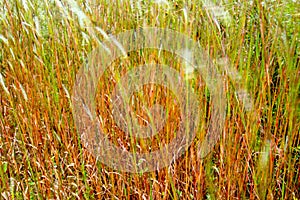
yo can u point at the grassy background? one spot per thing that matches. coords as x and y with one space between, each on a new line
44 43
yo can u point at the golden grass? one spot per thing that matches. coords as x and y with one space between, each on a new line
44 43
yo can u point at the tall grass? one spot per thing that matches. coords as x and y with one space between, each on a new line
44 43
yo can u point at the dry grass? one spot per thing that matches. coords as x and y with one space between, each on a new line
44 43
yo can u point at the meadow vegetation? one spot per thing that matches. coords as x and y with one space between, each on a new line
43 43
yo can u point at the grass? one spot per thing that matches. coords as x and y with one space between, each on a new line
44 43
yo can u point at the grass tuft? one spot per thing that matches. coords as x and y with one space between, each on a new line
253 44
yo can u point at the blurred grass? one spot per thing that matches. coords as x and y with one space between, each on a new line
44 43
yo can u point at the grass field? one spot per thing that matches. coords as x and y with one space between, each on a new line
44 43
